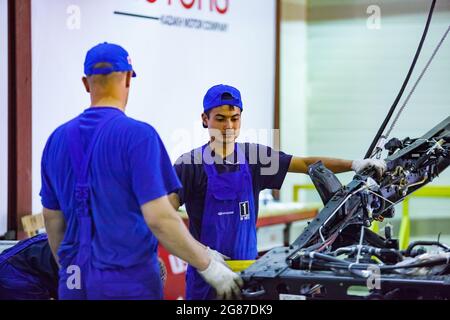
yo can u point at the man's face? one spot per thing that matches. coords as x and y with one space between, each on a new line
224 123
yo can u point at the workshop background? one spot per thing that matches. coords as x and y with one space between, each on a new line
324 72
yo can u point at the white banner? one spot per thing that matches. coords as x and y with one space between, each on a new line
179 49
3 115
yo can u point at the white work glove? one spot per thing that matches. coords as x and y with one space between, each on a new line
226 282
216 255
361 165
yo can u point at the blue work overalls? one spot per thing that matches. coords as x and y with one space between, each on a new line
228 223
16 284
139 282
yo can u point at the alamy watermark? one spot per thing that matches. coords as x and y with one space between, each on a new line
73 282
374 278
73 21
374 19
255 153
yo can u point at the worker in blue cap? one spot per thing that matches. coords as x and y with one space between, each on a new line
222 181
105 184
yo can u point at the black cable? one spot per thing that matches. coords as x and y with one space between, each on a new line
405 83
363 266
424 243
432 263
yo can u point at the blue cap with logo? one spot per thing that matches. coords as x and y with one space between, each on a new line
115 56
221 95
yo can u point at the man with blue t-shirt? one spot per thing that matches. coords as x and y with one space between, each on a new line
105 184
222 181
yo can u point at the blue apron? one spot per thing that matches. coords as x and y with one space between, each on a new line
138 282
17 285
228 223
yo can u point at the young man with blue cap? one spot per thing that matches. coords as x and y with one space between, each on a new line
105 181
222 181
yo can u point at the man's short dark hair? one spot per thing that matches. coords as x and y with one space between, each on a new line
103 65
102 79
225 96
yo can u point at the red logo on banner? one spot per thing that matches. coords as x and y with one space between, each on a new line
219 6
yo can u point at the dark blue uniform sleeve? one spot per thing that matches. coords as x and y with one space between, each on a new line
48 195
273 167
152 173
185 171
180 173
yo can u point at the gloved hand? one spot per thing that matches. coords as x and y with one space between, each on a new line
226 282
216 255
361 165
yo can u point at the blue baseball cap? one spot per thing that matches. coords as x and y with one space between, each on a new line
113 54
221 95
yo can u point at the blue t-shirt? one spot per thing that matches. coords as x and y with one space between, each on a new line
129 167
267 166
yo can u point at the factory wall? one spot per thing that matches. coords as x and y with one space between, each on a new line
293 82
176 60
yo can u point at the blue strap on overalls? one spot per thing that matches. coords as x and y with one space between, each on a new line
80 164
226 227
21 246
138 282
237 239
